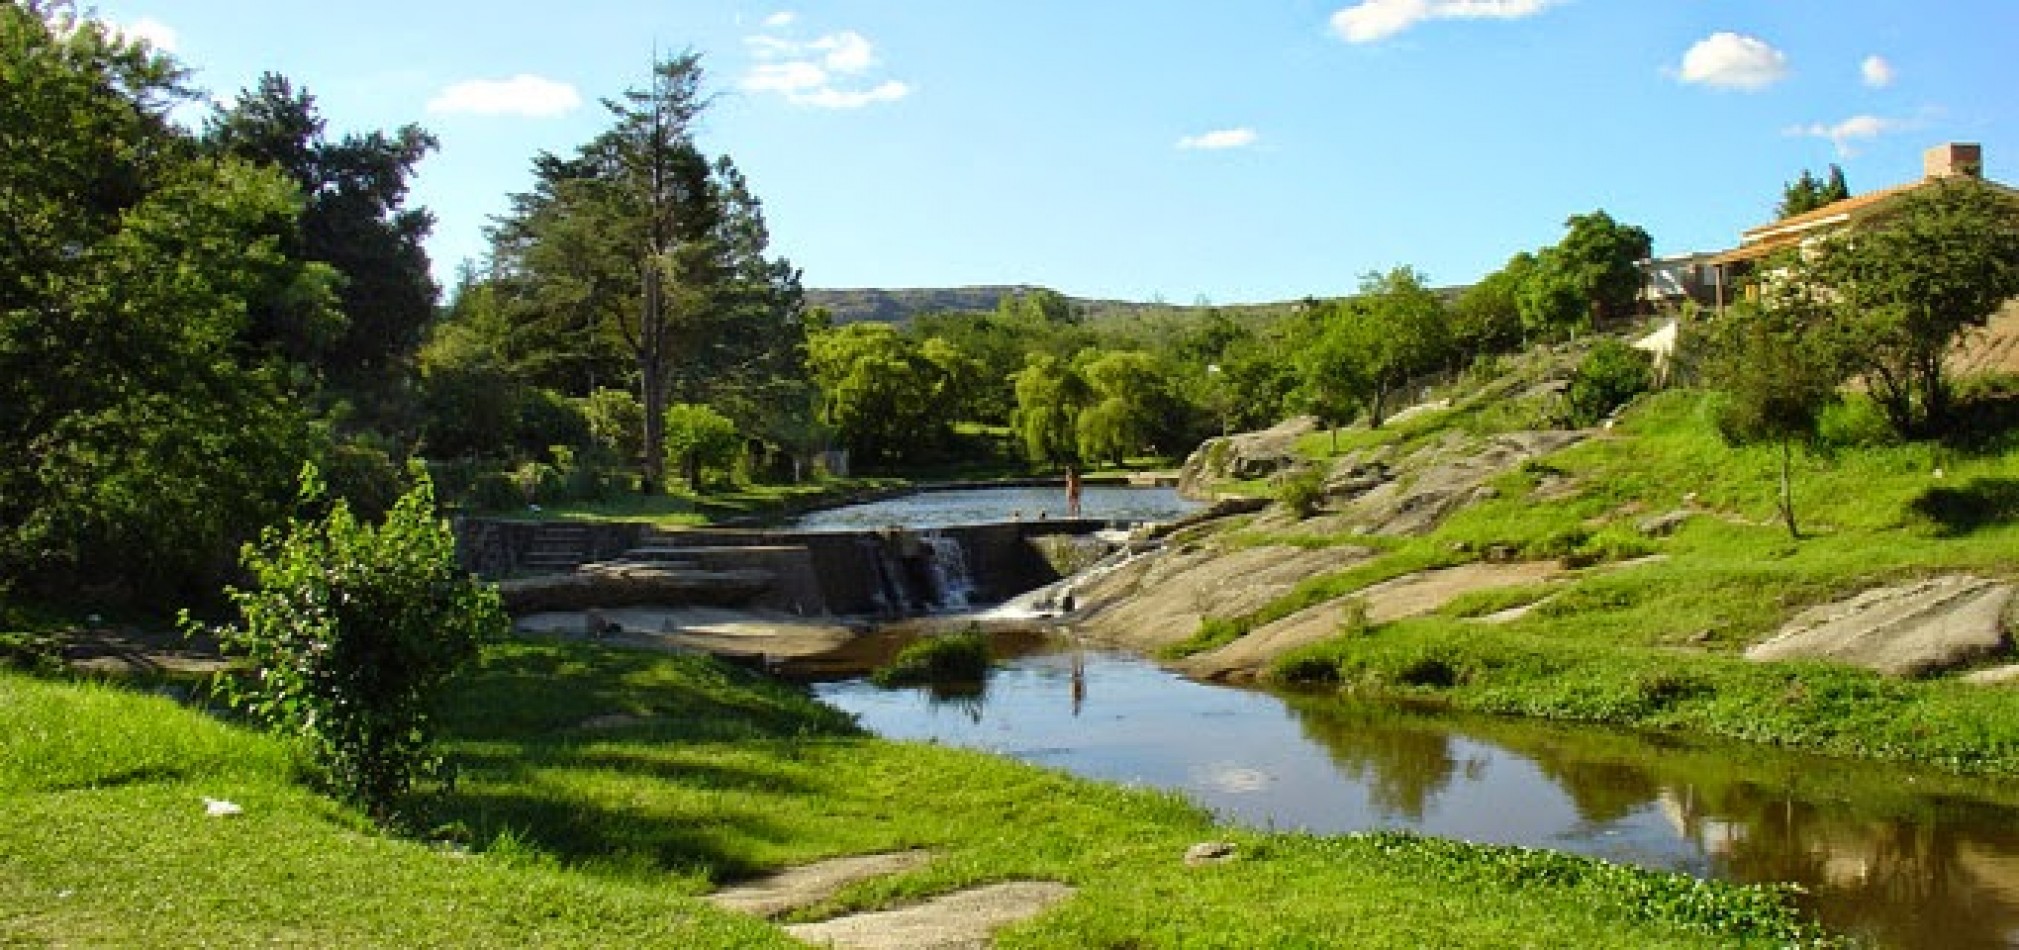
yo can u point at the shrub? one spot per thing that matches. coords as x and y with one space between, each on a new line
617 422
352 631
363 475
546 418
496 491
1303 491
699 440
955 658
1609 376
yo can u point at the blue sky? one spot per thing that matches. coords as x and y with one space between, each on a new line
1144 150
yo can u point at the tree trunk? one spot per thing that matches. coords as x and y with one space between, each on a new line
1374 410
651 356
1788 487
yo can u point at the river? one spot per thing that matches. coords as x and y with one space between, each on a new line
1900 857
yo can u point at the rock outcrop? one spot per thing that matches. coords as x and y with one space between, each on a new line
1244 456
1914 630
1159 599
632 584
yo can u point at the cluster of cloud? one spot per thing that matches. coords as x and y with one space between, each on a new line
1877 71
527 95
1848 134
827 72
1372 20
1733 61
1219 140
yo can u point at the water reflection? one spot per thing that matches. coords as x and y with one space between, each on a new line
1898 856
939 509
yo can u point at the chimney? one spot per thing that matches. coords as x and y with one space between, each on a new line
1954 160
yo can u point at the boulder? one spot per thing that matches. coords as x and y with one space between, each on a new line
1913 630
1242 457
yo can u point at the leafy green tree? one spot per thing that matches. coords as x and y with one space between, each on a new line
136 446
1051 394
1908 285
1807 193
878 391
1779 368
699 440
616 421
354 219
1336 380
1401 330
1130 405
1486 318
1592 274
354 629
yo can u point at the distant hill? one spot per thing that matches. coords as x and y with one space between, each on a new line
899 306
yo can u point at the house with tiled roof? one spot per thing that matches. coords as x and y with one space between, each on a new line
1727 271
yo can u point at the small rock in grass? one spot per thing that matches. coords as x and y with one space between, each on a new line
1209 852
219 808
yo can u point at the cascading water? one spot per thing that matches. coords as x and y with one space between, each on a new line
953 586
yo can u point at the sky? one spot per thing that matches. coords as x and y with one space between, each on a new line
1222 152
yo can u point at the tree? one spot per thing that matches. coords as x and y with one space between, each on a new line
641 238
1051 394
1936 265
1610 374
878 391
699 439
354 629
1807 193
1401 329
1592 274
353 219
1336 379
138 441
1486 318
1779 368
1129 405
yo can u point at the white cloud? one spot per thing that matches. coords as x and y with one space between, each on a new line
828 97
804 71
780 20
1219 140
157 34
1734 61
1846 135
1372 20
523 95
1877 71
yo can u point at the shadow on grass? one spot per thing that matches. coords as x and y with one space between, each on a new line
1980 504
591 756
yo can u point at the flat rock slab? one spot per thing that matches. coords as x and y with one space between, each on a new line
963 919
1160 598
1996 676
631 584
1411 595
1914 630
813 883
748 632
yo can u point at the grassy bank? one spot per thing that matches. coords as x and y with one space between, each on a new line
602 791
1650 636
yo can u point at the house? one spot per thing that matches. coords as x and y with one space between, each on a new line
1669 281
1729 269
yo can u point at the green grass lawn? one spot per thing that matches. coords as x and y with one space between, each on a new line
679 508
575 828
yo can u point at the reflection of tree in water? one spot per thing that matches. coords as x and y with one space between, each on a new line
1402 768
1601 791
968 699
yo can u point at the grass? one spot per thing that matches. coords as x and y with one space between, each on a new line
602 790
949 658
679 508
1653 644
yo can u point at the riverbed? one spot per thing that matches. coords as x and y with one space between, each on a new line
1903 857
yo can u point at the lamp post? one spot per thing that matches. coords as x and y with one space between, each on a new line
1219 395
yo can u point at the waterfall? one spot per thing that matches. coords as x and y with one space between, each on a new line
953 586
888 591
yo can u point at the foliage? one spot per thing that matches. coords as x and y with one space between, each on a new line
1303 490
1050 395
1937 264
955 658
136 441
353 630
1373 344
1486 318
1807 193
1592 274
616 422
699 440
1130 408
1611 374
1780 371
881 393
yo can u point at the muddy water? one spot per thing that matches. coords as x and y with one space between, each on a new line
1899 857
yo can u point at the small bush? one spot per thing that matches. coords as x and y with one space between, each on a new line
1610 375
1303 491
496 491
352 631
960 658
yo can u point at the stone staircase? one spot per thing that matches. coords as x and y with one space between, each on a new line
557 548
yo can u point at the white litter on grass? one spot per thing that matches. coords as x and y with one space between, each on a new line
219 808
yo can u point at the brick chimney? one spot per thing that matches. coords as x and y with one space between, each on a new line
1954 160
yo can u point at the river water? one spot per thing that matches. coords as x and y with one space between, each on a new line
1897 856
939 509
